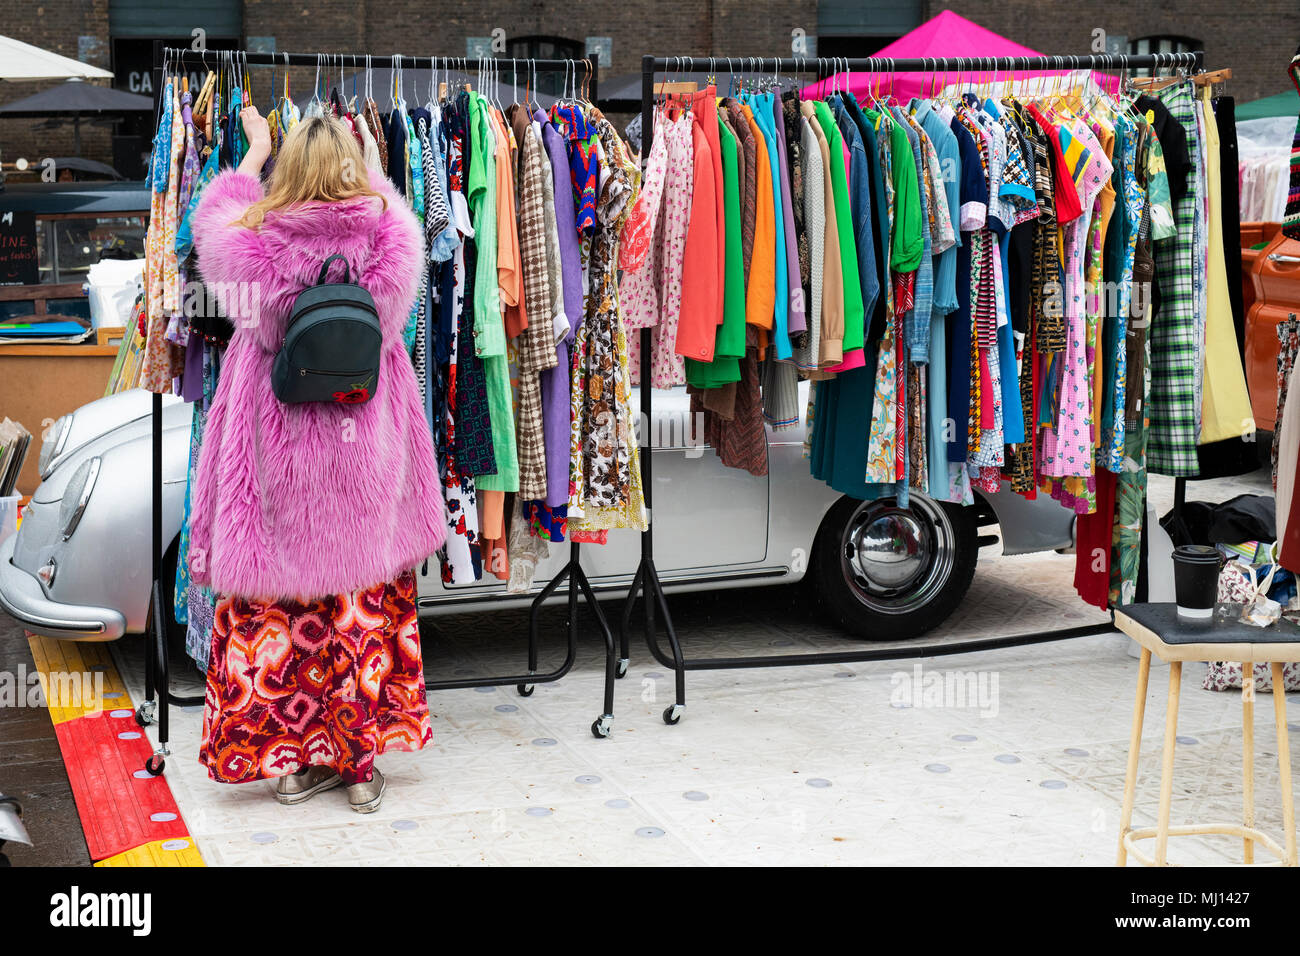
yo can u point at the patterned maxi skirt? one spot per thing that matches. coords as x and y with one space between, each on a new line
333 681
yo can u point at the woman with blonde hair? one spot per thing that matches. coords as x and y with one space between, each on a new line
308 519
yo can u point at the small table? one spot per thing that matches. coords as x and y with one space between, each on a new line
1160 631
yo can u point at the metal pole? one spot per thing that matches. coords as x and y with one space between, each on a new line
1192 60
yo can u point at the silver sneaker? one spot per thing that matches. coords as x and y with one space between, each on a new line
366 797
300 787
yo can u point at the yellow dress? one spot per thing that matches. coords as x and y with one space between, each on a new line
1225 403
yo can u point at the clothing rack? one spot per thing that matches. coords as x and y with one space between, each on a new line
157 655
646 583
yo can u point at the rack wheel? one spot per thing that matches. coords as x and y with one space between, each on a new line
144 714
155 764
672 714
601 726
525 690
621 670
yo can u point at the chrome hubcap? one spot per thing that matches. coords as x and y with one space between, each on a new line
897 559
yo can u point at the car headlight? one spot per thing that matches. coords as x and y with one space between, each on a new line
52 445
77 495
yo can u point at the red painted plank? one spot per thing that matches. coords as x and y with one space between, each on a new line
119 811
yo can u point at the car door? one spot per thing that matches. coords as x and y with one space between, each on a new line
706 515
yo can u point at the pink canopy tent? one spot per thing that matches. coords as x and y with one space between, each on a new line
948 34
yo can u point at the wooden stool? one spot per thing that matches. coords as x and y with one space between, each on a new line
1159 630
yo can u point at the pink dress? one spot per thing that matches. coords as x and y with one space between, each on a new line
1068 449
657 303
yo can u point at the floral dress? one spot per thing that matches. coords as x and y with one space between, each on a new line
1068 449
163 359
654 291
1112 453
881 442
606 492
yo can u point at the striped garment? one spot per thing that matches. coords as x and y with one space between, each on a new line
1173 412
1020 466
537 341
1291 220
780 388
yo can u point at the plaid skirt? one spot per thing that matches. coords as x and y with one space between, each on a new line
333 681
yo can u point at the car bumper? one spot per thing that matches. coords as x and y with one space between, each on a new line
22 597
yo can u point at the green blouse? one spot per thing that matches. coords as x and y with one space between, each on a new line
489 326
729 346
853 314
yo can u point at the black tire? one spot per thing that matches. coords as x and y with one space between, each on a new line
915 588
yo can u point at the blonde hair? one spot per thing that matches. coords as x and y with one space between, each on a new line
319 161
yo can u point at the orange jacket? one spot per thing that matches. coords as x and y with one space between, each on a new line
697 326
760 299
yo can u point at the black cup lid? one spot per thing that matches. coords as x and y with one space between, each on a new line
1196 554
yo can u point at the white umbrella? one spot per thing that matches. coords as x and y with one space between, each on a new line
22 61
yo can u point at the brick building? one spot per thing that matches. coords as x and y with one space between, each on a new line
119 35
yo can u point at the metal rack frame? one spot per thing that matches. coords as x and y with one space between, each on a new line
646 583
157 655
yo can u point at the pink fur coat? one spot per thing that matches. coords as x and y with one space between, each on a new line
303 501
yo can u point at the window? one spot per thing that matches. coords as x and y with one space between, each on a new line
544 48
1162 44
68 247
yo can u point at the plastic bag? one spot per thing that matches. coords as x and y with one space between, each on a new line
1240 587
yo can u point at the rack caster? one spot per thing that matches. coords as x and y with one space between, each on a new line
525 690
673 714
621 670
602 725
144 714
155 764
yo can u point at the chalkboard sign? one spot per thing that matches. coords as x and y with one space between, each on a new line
18 262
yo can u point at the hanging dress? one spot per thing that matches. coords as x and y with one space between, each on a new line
609 494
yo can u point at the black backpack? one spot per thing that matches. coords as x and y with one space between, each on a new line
331 347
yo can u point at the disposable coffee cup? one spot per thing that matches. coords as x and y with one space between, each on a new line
1196 581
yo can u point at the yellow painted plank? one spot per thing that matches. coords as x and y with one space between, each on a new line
73 674
180 851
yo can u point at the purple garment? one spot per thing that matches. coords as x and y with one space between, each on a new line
797 320
192 376
556 411
193 162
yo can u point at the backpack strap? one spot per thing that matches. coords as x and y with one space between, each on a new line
325 268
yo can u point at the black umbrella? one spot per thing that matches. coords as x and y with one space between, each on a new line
89 166
75 99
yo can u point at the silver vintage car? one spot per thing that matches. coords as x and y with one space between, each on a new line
79 566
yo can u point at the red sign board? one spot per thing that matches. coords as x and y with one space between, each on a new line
18 260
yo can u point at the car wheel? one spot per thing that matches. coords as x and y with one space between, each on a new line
888 573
